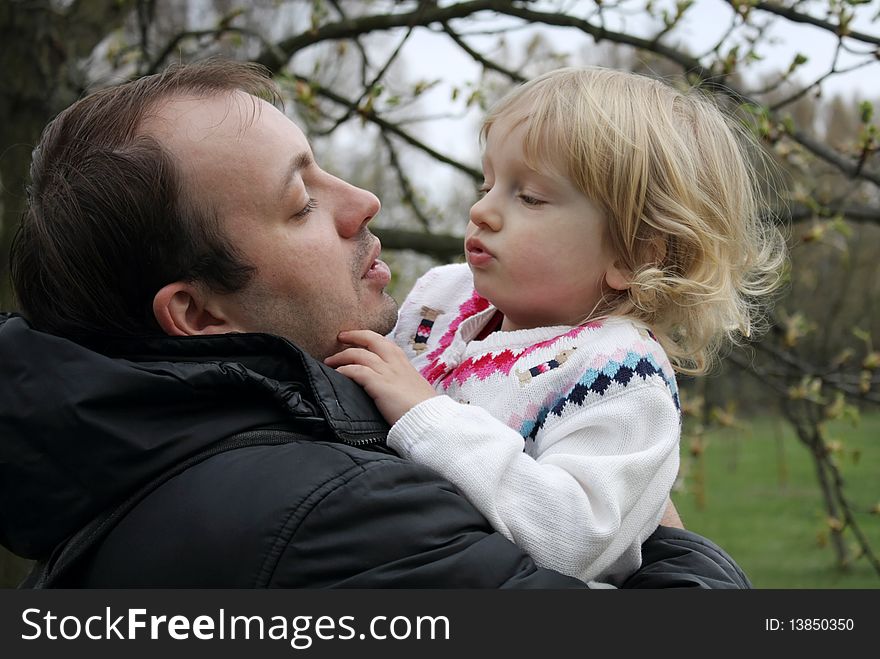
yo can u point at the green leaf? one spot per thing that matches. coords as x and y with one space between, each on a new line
866 111
799 60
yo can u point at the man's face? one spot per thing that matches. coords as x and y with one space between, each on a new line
304 230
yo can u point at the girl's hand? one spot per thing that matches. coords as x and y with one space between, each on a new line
383 370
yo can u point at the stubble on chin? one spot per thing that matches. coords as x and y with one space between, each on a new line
388 319
313 324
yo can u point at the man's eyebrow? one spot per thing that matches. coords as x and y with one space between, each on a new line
298 162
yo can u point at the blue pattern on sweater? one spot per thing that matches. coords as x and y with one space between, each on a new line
597 382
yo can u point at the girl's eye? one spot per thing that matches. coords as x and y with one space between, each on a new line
483 190
531 201
311 204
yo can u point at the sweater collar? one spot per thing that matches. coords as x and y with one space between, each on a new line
514 340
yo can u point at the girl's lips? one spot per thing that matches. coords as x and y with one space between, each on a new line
477 255
478 258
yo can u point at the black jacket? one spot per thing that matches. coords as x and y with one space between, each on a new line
313 498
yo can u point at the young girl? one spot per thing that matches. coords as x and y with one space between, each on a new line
617 240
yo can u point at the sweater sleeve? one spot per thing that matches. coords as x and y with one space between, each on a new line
593 493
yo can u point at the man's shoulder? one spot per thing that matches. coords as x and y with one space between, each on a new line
223 520
286 481
301 463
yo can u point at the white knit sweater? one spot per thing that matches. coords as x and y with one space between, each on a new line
565 438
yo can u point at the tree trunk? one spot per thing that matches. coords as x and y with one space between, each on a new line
41 49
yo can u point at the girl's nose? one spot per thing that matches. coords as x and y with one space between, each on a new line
485 213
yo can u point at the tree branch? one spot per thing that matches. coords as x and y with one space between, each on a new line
851 168
198 34
862 214
390 127
686 62
87 22
441 246
408 195
276 56
802 368
798 17
477 57
711 81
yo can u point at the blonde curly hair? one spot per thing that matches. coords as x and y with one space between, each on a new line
679 183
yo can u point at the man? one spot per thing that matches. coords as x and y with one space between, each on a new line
184 266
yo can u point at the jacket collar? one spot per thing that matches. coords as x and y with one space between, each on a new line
82 425
343 404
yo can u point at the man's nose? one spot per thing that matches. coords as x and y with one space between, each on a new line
355 208
485 213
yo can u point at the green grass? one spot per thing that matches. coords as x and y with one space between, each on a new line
763 504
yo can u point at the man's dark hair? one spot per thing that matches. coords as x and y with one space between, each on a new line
109 221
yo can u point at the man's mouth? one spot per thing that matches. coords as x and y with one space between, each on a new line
377 270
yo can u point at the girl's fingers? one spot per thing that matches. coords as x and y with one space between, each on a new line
370 340
359 337
363 375
359 356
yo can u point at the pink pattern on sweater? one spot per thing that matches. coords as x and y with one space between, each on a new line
471 307
484 366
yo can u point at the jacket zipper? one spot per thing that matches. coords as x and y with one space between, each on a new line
360 441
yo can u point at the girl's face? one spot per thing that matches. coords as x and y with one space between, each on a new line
535 244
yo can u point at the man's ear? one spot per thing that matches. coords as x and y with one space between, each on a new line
185 309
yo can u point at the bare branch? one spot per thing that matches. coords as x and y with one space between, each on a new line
832 71
276 58
420 119
764 377
390 127
86 22
180 37
365 60
721 41
851 168
408 196
477 57
802 368
860 214
798 17
686 62
146 13
442 247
